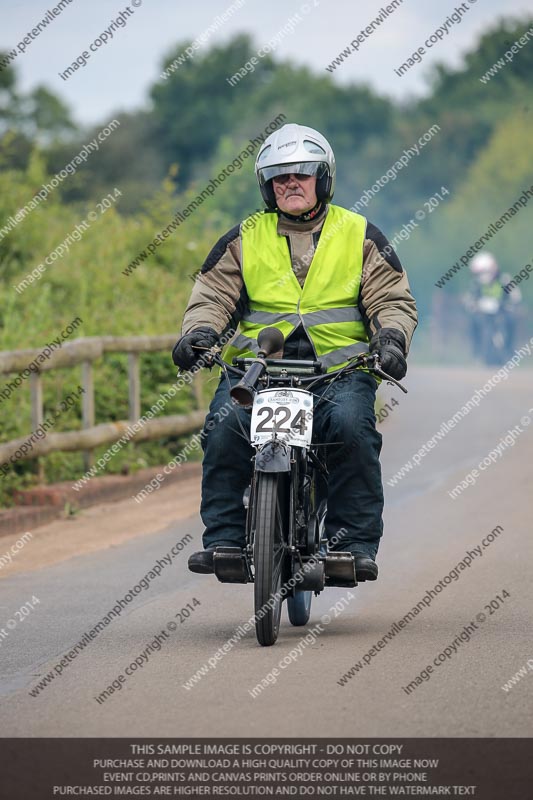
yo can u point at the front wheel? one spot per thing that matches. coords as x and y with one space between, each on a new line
269 553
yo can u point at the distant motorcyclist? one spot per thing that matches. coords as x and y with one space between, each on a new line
492 309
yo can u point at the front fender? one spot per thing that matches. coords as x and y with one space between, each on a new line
273 456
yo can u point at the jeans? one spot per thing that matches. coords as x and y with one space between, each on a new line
355 490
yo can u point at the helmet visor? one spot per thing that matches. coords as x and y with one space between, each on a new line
317 168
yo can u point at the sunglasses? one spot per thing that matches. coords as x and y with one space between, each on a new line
300 177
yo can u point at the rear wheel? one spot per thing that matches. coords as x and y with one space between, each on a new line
493 340
299 607
269 553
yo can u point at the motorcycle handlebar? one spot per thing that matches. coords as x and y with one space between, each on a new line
244 391
270 340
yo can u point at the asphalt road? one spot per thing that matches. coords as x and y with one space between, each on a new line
427 534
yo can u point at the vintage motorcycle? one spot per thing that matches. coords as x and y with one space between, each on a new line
491 325
286 554
493 331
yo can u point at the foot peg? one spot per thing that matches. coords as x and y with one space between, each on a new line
230 565
340 570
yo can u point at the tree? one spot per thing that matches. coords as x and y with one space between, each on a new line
45 117
196 106
39 118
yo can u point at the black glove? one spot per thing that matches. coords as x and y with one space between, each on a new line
184 355
389 344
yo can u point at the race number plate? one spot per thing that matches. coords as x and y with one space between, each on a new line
284 414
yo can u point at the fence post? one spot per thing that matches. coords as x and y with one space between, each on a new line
36 392
134 387
87 408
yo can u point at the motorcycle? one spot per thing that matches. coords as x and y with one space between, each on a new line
490 329
287 555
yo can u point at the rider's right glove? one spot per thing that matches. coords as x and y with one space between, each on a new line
390 344
183 354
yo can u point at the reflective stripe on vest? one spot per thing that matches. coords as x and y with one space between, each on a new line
326 305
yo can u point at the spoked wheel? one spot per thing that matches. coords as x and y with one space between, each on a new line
299 607
269 554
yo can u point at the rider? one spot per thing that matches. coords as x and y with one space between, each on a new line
489 281
335 287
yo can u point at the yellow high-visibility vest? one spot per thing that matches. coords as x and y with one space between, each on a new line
326 305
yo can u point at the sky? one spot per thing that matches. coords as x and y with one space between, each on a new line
118 75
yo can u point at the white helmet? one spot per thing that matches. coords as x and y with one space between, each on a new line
298 149
484 266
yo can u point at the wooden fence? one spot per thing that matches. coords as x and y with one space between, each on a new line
84 352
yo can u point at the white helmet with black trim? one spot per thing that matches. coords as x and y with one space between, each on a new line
297 149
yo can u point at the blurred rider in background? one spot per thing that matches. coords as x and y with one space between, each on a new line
492 309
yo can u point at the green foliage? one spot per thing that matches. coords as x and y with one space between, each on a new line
162 157
46 117
195 106
493 184
88 282
462 88
39 116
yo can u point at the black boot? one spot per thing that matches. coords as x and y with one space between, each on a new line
202 562
366 568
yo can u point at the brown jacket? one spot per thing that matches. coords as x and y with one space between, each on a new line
219 298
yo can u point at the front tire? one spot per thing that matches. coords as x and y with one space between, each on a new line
269 554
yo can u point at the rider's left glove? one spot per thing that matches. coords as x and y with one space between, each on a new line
390 345
184 355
